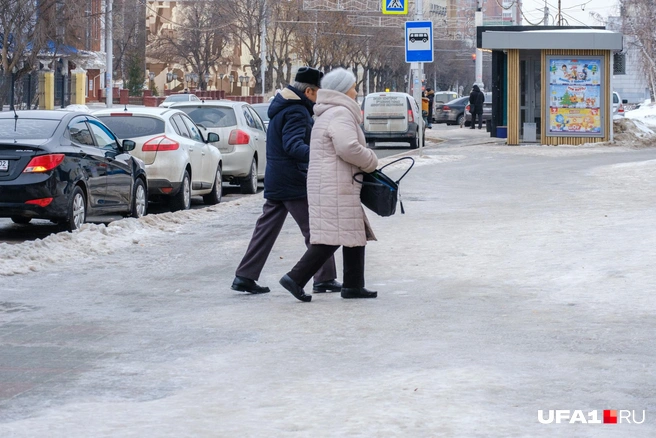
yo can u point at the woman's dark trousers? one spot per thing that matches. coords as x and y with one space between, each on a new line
316 256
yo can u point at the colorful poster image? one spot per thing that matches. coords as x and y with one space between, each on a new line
574 97
575 71
574 121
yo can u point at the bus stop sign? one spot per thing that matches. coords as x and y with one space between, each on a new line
418 41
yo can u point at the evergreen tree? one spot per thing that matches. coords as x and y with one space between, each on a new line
136 75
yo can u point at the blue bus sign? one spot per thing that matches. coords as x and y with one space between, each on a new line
418 41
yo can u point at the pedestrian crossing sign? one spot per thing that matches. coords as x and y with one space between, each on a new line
395 7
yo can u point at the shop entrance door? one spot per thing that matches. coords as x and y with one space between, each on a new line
530 89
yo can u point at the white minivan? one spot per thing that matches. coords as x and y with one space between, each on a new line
392 117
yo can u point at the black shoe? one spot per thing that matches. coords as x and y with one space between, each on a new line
327 286
358 292
295 289
243 284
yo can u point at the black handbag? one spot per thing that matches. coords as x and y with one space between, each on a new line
379 192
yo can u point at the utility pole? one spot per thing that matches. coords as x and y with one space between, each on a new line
560 17
109 48
418 73
263 64
479 53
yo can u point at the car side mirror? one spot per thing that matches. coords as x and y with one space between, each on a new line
129 145
625 101
212 137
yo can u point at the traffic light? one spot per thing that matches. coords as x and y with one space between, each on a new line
474 57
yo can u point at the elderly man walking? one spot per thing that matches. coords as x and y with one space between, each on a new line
288 154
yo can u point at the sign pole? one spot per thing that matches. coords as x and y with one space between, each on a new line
419 74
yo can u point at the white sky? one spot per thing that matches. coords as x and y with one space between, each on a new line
571 9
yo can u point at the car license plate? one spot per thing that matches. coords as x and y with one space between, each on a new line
4 165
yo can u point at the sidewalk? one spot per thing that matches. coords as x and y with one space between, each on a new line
520 279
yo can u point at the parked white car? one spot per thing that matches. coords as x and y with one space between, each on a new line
180 162
618 104
263 110
181 97
242 138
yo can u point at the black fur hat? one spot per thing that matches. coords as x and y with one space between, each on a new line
309 75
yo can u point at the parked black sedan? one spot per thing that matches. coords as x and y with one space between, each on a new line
62 165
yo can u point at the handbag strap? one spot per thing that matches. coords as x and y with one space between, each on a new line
396 161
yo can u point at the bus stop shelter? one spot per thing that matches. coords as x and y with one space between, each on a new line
551 84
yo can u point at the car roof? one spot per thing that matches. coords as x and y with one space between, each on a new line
222 102
388 93
152 111
42 114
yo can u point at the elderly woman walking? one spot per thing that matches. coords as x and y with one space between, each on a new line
337 152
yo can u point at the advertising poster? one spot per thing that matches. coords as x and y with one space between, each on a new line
574 96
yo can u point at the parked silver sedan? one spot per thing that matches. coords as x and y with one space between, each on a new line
242 138
180 161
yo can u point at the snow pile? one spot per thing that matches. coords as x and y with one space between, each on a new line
637 128
95 240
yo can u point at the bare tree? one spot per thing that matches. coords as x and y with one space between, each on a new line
22 37
129 35
198 40
638 22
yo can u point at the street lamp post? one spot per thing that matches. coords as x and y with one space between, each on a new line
207 79
151 75
221 76
232 79
13 76
244 83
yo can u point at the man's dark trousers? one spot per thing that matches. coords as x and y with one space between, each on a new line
266 232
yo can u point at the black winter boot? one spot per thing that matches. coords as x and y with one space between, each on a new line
358 292
295 289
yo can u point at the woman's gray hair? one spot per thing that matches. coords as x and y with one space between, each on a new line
302 86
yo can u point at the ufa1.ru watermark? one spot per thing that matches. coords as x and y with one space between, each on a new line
609 416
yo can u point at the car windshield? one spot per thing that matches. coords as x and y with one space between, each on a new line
27 129
211 116
262 111
178 98
133 126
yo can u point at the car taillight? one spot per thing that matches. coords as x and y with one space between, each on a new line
41 202
237 136
123 114
161 143
446 108
620 109
411 117
43 163
468 108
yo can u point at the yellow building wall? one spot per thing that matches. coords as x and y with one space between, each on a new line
47 90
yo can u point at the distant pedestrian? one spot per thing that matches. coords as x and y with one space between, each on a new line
287 153
430 94
476 100
337 151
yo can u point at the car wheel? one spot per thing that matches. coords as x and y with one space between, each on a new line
182 199
77 210
413 142
248 185
460 119
139 199
21 220
214 197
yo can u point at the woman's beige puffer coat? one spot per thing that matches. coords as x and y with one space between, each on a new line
337 152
